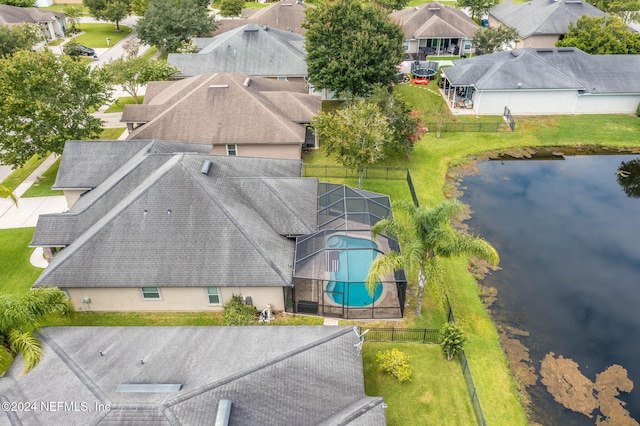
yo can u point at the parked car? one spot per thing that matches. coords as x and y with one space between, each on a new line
75 49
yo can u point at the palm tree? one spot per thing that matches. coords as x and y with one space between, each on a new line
426 236
19 318
8 193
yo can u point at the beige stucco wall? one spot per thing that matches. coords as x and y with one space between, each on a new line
264 151
541 41
72 196
172 298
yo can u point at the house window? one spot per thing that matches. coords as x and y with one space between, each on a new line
467 45
283 78
232 150
405 45
150 293
213 294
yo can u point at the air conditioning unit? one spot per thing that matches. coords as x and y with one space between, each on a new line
85 300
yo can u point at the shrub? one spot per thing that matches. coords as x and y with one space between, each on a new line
237 313
452 339
395 363
638 110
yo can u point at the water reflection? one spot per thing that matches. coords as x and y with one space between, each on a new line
629 177
569 241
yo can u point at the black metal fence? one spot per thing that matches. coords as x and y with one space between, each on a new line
383 173
412 189
509 118
451 127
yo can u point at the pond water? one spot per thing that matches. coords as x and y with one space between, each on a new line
569 241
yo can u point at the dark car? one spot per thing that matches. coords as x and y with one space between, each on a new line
78 50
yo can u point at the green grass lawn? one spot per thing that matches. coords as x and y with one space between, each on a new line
111 134
435 395
42 188
118 105
18 175
95 35
17 275
59 7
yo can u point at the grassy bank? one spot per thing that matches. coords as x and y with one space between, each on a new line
430 166
16 273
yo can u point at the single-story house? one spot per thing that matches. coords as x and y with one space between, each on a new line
545 81
193 376
163 227
540 23
287 15
250 50
435 28
237 114
53 24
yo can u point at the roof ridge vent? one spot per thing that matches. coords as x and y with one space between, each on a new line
218 86
433 8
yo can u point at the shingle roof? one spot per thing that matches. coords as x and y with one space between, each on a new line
13 15
435 20
250 50
273 375
542 17
164 223
223 109
286 15
559 68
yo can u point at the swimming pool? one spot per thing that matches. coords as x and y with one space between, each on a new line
349 269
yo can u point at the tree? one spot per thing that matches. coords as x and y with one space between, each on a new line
19 317
601 36
493 39
351 46
19 3
356 135
426 237
629 177
406 128
627 10
237 313
168 23
8 193
109 10
20 37
45 102
477 7
139 7
391 5
231 7
72 15
134 72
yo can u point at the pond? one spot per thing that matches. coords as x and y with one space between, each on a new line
569 289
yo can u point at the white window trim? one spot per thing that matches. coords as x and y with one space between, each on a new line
236 149
149 298
206 291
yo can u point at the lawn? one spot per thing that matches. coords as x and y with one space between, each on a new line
111 134
430 169
61 6
18 175
16 272
118 105
95 35
42 188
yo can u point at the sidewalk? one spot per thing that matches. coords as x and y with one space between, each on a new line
28 210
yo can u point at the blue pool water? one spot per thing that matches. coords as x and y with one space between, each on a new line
347 281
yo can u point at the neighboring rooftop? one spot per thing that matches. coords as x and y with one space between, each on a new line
542 17
435 20
223 109
250 49
553 68
272 375
286 15
13 15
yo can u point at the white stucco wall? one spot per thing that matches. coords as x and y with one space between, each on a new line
524 102
607 104
172 299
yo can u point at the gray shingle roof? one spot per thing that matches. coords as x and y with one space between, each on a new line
273 375
224 109
560 68
250 50
286 15
159 221
542 17
435 20
13 15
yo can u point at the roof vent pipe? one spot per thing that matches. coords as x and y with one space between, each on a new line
247 82
224 412
205 167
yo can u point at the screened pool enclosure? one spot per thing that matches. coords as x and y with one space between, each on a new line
332 263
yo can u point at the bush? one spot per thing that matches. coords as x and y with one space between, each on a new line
638 110
452 339
237 313
395 363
